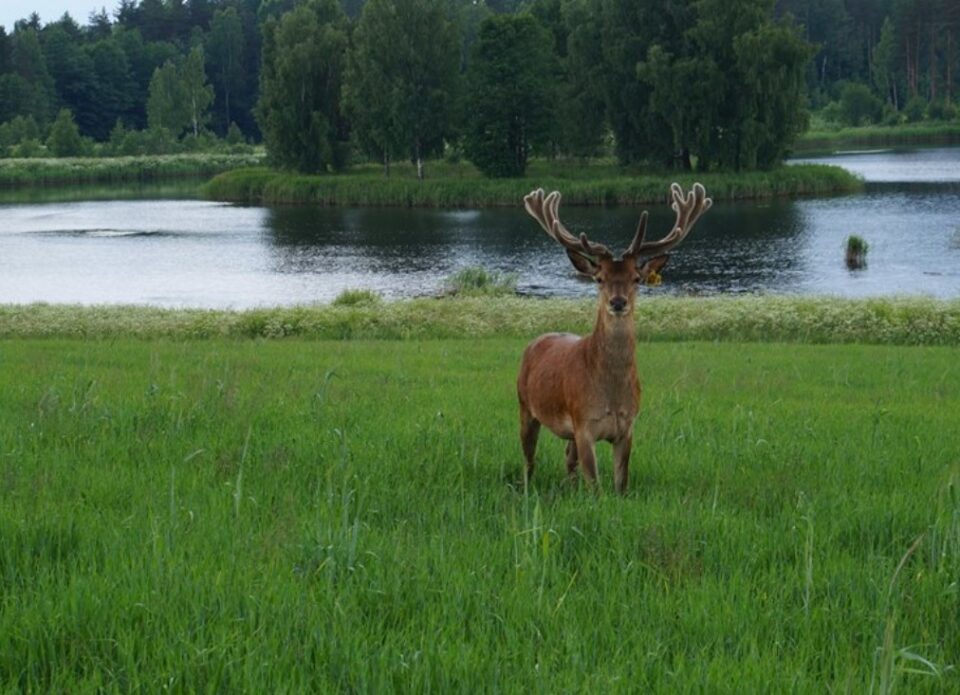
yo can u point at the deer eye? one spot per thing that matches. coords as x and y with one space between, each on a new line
599 280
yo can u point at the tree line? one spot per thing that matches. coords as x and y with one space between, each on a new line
881 60
716 84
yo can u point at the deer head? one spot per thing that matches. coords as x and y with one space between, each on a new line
618 278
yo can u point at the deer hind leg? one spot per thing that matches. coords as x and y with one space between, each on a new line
529 431
572 460
621 463
588 459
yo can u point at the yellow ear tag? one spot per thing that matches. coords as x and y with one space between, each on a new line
653 278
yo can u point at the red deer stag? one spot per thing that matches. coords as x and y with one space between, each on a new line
586 389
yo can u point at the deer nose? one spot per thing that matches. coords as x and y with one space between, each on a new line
618 304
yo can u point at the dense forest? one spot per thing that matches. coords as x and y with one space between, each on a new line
716 84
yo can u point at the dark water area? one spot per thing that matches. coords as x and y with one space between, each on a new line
192 253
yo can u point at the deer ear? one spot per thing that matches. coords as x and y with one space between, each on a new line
653 266
582 263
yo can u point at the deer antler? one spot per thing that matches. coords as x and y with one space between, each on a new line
545 210
689 208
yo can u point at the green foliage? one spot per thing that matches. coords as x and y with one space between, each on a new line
358 297
856 252
376 83
28 89
30 148
916 109
17 130
225 57
462 186
583 117
770 62
167 105
858 105
114 89
300 110
512 87
349 513
941 110
234 135
884 61
856 244
720 77
474 281
197 93
180 97
64 139
402 78
924 133
51 171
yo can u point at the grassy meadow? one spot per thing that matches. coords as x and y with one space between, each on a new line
237 514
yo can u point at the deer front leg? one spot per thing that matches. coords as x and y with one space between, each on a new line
529 432
572 461
588 459
621 462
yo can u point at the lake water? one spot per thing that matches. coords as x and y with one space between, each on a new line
192 253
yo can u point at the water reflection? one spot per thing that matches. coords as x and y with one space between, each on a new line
737 247
196 253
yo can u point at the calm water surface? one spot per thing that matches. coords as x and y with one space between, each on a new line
190 253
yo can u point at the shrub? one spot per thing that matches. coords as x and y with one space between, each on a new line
64 139
234 135
829 116
474 281
892 117
360 297
17 130
29 149
941 110
915 109
859 106
856 254
151 141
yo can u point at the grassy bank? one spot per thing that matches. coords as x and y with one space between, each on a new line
461 186
906 321
63 171
309 516
880 136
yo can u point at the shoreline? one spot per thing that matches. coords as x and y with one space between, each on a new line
261 185
28 174
914 320
938 135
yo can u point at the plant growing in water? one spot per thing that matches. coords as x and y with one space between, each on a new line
358 297
856 255
474 281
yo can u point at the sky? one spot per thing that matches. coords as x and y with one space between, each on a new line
51 10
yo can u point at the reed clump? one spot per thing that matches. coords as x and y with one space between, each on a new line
856 252
878 135
474 281
77 170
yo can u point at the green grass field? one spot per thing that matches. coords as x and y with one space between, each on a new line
248 515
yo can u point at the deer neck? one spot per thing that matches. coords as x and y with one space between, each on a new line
612 345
